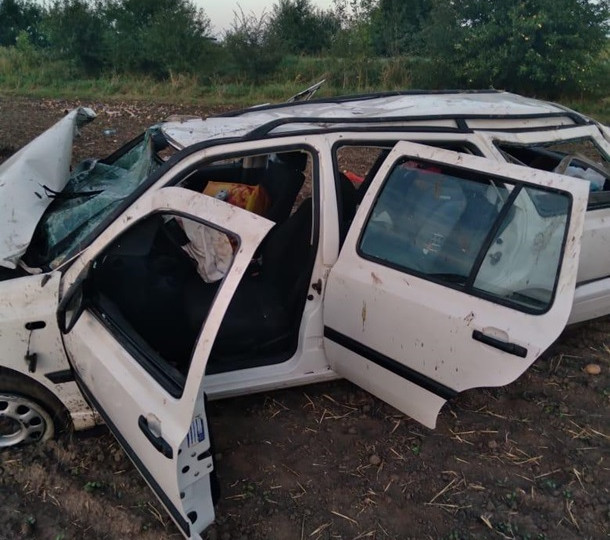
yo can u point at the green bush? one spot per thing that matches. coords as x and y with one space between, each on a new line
547 48
536 47
252 50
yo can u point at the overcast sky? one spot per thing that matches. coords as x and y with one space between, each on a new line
221 11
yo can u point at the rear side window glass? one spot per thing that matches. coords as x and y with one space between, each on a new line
467 231
356 166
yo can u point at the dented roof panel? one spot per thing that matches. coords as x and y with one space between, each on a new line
429 106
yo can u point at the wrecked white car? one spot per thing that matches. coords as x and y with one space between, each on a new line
417 244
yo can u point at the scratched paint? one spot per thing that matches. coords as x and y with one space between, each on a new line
363 315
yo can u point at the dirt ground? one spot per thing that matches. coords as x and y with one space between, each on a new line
527 461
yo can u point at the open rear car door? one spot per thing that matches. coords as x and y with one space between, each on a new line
457 272
120 298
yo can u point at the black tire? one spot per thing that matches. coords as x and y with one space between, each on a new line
29 413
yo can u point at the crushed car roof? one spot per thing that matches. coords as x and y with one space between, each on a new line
441 110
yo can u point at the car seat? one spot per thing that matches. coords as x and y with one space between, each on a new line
264 314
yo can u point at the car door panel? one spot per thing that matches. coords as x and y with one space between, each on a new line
166 436
415 341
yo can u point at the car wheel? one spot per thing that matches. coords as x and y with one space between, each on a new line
28 412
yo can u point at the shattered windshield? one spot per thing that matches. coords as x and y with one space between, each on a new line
93 191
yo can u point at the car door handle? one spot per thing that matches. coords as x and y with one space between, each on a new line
157 441
510 348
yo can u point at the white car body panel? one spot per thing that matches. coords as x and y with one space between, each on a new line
309 364
590 301
23 177
33 300
125 393
401 316
595 262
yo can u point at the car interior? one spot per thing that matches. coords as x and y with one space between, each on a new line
152 289
579 159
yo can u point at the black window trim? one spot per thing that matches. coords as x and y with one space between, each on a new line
518 185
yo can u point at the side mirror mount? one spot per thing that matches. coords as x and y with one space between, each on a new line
72 307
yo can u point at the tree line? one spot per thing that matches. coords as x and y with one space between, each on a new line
542 47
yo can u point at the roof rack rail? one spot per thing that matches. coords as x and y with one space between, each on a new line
460 120
353 97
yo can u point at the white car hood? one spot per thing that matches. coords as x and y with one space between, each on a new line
44 162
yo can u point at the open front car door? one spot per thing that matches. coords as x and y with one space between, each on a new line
139 315
457 273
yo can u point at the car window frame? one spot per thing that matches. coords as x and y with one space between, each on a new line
168 177
159 177
391 138
160 370
468 288
568 134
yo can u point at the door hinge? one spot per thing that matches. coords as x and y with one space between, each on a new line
317 286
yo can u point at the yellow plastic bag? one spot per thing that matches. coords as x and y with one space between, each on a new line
251 198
